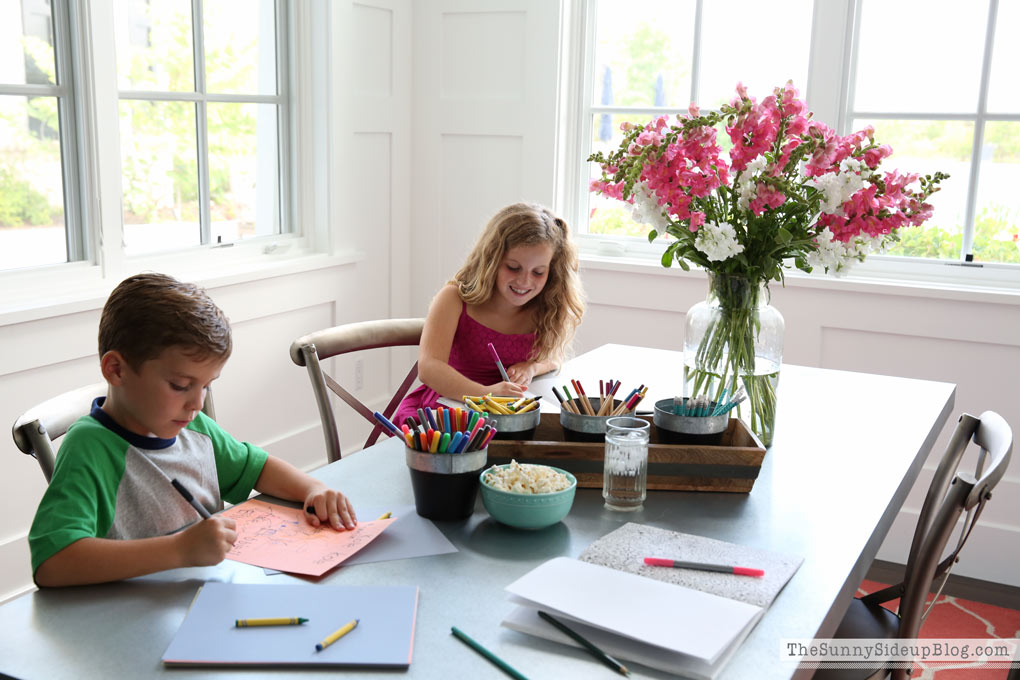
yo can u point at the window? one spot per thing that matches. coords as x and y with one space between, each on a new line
650 58
201 92
37 143
200 113
960 115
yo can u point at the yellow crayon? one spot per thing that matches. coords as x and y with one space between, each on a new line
495 406
337 635
529 407
385 515
278 621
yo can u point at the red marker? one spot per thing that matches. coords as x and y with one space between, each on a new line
726 569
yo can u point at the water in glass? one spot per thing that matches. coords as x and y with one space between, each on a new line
625 474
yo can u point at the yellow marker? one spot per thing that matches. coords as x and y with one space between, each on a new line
434 444
337 635
278 621
410 439
385 515
472 405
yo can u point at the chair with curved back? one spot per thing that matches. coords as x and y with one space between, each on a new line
949 496
37 428
310 350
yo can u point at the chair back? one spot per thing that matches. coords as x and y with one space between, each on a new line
950 495
37 428
309 350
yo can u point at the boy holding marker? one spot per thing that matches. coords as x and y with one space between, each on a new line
111 510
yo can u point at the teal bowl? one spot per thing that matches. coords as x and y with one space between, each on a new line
528 510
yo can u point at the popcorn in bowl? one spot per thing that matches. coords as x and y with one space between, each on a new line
526 479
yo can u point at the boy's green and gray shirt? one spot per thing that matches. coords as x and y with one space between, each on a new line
111 483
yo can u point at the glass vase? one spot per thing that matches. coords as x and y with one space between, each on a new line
735 339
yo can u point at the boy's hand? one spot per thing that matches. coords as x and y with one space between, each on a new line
323 504
207 542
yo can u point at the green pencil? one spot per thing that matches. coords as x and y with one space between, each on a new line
595 651
503 665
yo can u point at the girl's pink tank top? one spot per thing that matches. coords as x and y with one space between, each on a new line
469 354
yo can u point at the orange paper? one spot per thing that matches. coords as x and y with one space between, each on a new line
278 537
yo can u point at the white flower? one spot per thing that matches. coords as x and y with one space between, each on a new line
718 241
837 187
747 186
646 208
836 257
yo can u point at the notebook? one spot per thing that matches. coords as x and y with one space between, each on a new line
383 638
676 620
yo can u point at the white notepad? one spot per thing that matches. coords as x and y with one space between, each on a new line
679 621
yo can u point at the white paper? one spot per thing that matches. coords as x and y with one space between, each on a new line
672 617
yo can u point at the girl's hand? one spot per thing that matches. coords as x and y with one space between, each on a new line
207 542
506 389
522 373
329 505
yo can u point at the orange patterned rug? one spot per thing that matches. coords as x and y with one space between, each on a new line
953 617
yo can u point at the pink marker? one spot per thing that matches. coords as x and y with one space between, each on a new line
499 364
726 569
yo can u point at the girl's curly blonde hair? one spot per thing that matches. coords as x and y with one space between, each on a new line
560 305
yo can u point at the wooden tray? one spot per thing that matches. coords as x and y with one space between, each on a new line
733 465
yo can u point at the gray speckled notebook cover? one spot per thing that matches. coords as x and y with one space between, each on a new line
626 547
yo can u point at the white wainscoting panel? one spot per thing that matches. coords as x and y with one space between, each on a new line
483 54
373 43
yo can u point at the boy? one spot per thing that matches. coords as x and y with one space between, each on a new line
110 511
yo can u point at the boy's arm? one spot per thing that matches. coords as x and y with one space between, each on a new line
281 479
99 560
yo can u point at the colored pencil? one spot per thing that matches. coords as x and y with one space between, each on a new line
498 662
595 651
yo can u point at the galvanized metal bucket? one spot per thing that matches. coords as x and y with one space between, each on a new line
579 427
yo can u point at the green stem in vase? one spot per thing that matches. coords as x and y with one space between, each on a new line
726 355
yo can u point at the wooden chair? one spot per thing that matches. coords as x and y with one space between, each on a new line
950 495
311 349
35 430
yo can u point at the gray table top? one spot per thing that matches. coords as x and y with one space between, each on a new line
848 447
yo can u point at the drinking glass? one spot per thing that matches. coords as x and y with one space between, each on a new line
625 474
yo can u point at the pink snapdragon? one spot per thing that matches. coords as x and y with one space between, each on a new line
766 197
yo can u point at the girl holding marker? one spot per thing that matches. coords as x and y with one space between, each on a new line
519 290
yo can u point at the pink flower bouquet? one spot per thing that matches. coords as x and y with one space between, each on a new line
792 191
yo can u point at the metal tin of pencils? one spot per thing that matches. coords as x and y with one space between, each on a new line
515 425
585 428
445 485
688 429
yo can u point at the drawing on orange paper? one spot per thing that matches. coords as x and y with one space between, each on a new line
279 537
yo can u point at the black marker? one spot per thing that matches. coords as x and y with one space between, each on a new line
191 499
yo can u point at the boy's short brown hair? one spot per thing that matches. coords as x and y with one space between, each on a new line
148 313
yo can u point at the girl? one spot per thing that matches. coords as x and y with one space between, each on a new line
519 289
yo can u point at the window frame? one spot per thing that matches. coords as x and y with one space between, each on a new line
47 290
831 73
200 98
